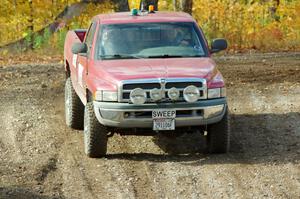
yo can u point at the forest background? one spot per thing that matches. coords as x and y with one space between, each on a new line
40 26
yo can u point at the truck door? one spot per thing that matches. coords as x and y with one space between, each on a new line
83 60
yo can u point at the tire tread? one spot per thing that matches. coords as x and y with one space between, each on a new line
75 119
219 136
95 134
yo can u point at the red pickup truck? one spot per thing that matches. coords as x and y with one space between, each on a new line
144 72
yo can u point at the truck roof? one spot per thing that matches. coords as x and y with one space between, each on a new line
126 17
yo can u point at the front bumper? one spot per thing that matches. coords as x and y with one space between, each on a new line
125 115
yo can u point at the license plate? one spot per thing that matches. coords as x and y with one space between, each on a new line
163 120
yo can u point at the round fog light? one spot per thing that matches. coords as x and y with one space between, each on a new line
191 93
156 94
173 93
138 96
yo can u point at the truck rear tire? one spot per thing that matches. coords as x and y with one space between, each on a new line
74 109
95 134
218 136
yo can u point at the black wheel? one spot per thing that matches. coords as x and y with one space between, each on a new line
95 134
74 109
218 136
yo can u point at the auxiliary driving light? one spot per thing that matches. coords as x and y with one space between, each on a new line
156 94
173 94
138 96
191 93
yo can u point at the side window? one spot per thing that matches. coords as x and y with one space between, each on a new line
90 36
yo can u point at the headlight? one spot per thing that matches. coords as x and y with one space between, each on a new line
156 94
213 93
138 96
173 93
98 96
191 94
108 96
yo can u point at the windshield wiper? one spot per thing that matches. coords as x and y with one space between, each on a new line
164 56
120 56
173 56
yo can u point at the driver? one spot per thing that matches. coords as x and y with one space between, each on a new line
181 37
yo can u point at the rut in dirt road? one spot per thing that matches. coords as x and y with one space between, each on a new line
42 158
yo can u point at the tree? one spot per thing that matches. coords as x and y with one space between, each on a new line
30 27
120 5
183 5
147 3
36 17
274 8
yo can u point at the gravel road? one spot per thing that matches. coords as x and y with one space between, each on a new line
41 158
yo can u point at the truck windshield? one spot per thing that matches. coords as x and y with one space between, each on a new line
149 40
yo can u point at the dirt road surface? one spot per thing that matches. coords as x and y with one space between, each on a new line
41 158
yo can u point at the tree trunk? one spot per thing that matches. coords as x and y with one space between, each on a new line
183 5
67 14
273 9
30 27
187 6
121 5
144 5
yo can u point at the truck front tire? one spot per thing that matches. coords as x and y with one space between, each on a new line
74 109
218 136
95 134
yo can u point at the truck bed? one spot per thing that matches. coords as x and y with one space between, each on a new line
72 37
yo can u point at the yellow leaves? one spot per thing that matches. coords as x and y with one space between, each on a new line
134 4
91 10
250 31
250 25
15 17
245 25
165 5
25 34
4 52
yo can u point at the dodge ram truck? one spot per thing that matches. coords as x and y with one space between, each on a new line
138 72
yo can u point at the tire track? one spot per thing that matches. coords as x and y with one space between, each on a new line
42 158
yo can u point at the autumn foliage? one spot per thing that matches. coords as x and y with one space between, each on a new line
253 25
247 24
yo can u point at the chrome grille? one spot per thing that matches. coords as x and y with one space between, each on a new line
144 86
182 85
148 84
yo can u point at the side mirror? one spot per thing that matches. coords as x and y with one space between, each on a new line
79 48
218 45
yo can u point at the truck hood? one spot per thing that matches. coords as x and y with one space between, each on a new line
125 69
